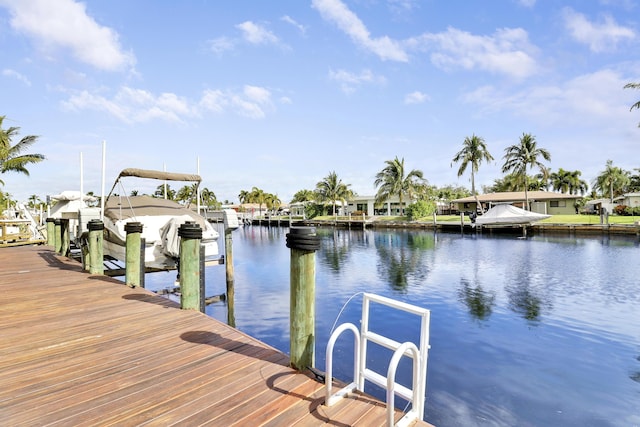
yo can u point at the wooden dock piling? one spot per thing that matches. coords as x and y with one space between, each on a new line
303 243
96 250
191 297
228 262
134 254
57 242
51 232
65 238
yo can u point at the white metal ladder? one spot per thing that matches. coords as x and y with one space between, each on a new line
416 394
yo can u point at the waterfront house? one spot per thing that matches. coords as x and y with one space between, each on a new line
629 199
545 202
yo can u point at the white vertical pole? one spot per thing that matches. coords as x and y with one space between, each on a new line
198 189
104 162
164 169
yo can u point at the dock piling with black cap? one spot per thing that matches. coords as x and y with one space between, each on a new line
303 243
96 251
191 272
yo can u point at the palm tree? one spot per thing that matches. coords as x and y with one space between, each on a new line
244 196
392 180
634 181
34 201
474 151
160 189
11 157
331 189
634 86
519 157
613 179
303 196
208 198
272 201
568 182
257 196
186 193
5 199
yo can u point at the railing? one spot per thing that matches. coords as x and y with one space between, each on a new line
14 230
414 395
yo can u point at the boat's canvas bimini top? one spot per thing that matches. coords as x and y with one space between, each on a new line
118 208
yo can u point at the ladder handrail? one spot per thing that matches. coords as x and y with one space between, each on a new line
391 382
415 395
331 399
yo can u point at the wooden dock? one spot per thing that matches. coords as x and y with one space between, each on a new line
83 350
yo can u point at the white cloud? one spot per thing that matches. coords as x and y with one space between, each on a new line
349 82
599 37
291 21
527 3
596 98
221 45
337 12
416 97
253 102
16 75
132 105
65 24
506 52
256 34
214 101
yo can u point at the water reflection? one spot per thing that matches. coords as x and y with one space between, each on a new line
524 301
635 376
335 249
401 258
479 301
581 294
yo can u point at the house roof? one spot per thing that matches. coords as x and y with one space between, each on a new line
517 196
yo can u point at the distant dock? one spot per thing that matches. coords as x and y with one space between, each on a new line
456 227
80 349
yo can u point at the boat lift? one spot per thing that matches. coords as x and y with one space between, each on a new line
416 394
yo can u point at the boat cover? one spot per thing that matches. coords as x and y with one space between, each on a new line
169 235
70 195
122 208
505 214
165 176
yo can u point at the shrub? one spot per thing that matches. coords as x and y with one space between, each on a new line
421 209
622 210
313 210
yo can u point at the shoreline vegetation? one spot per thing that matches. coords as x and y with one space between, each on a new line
556 224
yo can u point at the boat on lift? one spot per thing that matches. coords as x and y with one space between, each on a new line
504 215
160 219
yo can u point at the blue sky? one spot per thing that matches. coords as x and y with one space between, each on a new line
278 94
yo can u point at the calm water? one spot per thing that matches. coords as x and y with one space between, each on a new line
543 331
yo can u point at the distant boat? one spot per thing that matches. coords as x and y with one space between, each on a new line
506 215
160 220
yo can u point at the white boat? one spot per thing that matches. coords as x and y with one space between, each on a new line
508 215
68 205
160 220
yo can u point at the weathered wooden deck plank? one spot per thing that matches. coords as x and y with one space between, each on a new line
79 349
